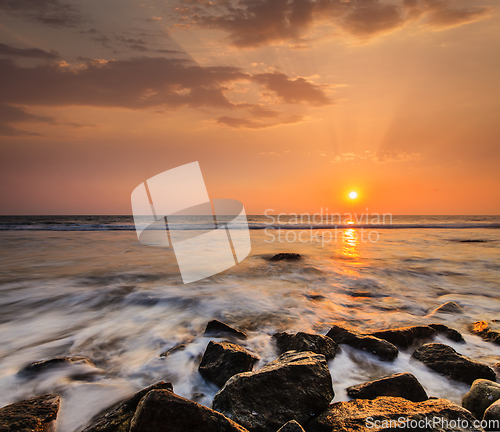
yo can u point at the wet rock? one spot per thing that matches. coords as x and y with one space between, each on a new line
306 342
450 307
493 413
296 386
388 413
445 360
286 256
378 347
32 415
403 385
58 362
118 417
291 426
162 411
448 332
405 337
172 350
480 396
483 329
217 328
223 360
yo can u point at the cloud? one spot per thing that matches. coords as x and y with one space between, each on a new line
10 115
380 156
248 123
7 50
53 13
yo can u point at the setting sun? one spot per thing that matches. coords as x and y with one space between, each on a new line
353 195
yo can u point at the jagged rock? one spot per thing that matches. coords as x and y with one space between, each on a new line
449 308
286 256
405 337
448 332
388 413
296 386
480 396
291 426
164 411
32 415
223 360
445 360
483 329
306 342
51 364
403 385
378 347
217 328
493 413
172 350
118 417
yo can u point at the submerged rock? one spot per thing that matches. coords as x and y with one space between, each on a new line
32 415
172 350
480 396
493 413
291 426
403 385
218 328
445 360
392 413
483 329
306 342
378 347
51 364
164 411
118 417
450 307
223 360
296 386
448 332
286 256
405 337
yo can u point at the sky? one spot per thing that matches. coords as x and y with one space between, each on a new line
287 105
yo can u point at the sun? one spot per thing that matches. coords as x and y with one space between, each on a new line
353 195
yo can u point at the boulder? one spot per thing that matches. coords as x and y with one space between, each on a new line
382 349
118 417
291 426
286 256
55 363
445 360
32 415
493 413
223 360
480 396
217 328
483 329
404 385
405 337
164 411
392 413
448 332
450 307
306 342
296 386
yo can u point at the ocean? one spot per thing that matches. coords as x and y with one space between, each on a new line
84 285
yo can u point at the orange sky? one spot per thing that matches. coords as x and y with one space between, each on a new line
286 104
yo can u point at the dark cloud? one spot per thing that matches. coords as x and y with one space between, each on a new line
7 50
54 13
10 115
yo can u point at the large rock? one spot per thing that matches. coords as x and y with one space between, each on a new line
55 363
217 328
480 396
306 342
492 414
118 417
164 411
403 385
296 386
378 347
450 307
483 329
291 426
388 413
223 360
448 332
406 337
445 360
33 415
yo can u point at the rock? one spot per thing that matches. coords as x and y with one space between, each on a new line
480 396
164 411
32 415
172 350
403 385
217 328
483 329
378 347
286 256
388 413
223 360
450 307
296 386
448 332
58 362
118 417
306 342
493 413
291 426
405 337
445 360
